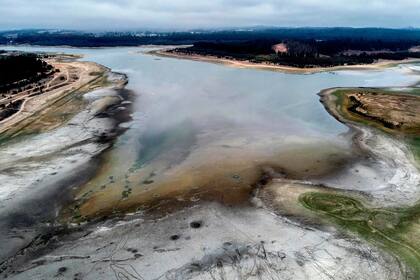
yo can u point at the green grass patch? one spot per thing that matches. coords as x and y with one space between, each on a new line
392 229
386 228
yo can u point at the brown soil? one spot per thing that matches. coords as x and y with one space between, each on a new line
395 112
398 112
35 105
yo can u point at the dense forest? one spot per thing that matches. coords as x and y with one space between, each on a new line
86 39
18 70
308 53
306 47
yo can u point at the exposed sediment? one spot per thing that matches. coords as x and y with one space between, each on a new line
236 214
210 241
73 129
394 116
57 101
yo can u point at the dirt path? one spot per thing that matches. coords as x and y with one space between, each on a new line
76 75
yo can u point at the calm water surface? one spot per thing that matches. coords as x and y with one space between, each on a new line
183 106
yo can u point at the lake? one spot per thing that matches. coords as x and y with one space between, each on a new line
207 132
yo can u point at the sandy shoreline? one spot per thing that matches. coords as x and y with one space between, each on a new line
73 76
286 69
66 130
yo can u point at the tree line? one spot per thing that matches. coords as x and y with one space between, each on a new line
20 70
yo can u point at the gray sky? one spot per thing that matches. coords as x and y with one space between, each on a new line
187 14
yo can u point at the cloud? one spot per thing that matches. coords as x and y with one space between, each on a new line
187 14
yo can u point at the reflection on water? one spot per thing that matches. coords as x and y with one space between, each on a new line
198 124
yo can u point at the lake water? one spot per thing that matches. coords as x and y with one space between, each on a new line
199 132
193 117
171 91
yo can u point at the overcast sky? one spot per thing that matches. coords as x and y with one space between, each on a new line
190 14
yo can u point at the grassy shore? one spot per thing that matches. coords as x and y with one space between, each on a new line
396 230
392 229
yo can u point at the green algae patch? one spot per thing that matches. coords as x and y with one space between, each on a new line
393 229
414 146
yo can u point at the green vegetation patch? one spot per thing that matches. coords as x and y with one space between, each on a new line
396 230
18 70
389 229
